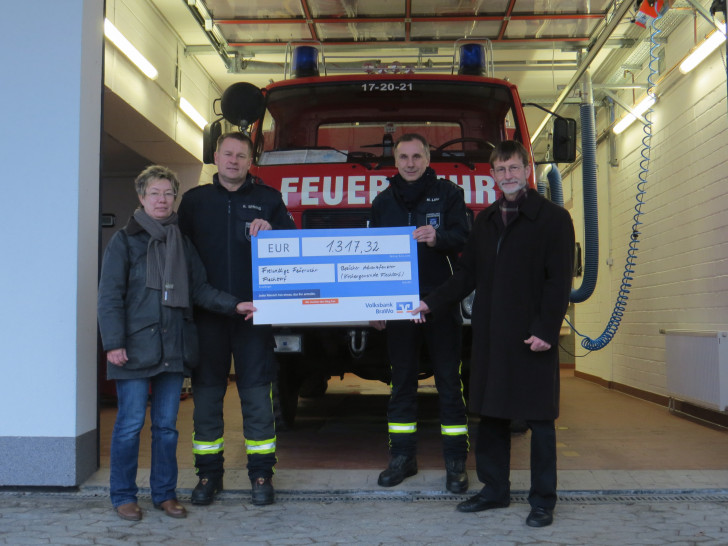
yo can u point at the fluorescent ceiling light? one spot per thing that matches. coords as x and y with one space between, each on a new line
124 45
713 42
193 114
639 109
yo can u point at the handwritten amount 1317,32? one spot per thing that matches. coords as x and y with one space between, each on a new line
352 246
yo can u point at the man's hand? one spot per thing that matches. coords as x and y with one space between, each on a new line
117 357
422 310
259 225
537 344
378 324
245 308
425 234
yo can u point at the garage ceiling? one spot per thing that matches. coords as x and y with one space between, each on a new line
428 22
541 46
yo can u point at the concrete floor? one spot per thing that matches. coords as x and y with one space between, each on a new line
606 440
629 473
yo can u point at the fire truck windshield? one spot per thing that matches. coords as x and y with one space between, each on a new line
340 120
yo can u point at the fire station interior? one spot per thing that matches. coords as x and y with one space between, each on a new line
545 48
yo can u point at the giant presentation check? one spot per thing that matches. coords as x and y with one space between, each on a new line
334 275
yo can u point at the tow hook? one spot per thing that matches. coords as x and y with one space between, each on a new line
357 349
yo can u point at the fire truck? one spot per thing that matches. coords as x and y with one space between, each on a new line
326 142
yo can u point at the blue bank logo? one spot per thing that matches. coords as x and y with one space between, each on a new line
404 306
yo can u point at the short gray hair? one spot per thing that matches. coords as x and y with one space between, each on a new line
153 172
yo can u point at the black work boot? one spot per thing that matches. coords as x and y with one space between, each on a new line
400 467
262 491
205 490
457 476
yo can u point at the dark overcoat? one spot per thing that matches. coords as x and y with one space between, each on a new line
522 275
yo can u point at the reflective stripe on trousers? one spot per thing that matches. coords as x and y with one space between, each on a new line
402 428
261 447
207 448
454 430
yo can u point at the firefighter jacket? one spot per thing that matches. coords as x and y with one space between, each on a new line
218 222
441 204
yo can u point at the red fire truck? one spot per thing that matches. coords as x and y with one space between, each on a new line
325 141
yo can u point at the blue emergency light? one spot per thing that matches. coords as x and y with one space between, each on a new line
472 60
305 62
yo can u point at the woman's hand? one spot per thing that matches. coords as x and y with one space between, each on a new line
117 357
245 308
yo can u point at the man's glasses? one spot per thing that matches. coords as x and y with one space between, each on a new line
512 169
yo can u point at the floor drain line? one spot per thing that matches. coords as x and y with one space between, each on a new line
517 497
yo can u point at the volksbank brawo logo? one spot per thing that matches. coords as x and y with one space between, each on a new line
404 306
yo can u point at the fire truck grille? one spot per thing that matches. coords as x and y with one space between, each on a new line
335 219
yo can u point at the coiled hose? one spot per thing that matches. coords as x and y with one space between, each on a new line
629 268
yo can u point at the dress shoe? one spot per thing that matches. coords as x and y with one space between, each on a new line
262 491
540 517
478 503
457 477
205 490
400 467
172 508
129 511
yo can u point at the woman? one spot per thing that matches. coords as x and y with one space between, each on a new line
150 278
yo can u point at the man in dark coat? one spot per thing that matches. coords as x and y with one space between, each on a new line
519 259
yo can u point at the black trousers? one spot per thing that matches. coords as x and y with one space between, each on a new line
493 461
442 335
252 350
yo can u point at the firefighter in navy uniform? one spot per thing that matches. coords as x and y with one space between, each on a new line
220 218
436 207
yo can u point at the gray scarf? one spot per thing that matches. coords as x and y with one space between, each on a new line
166 264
